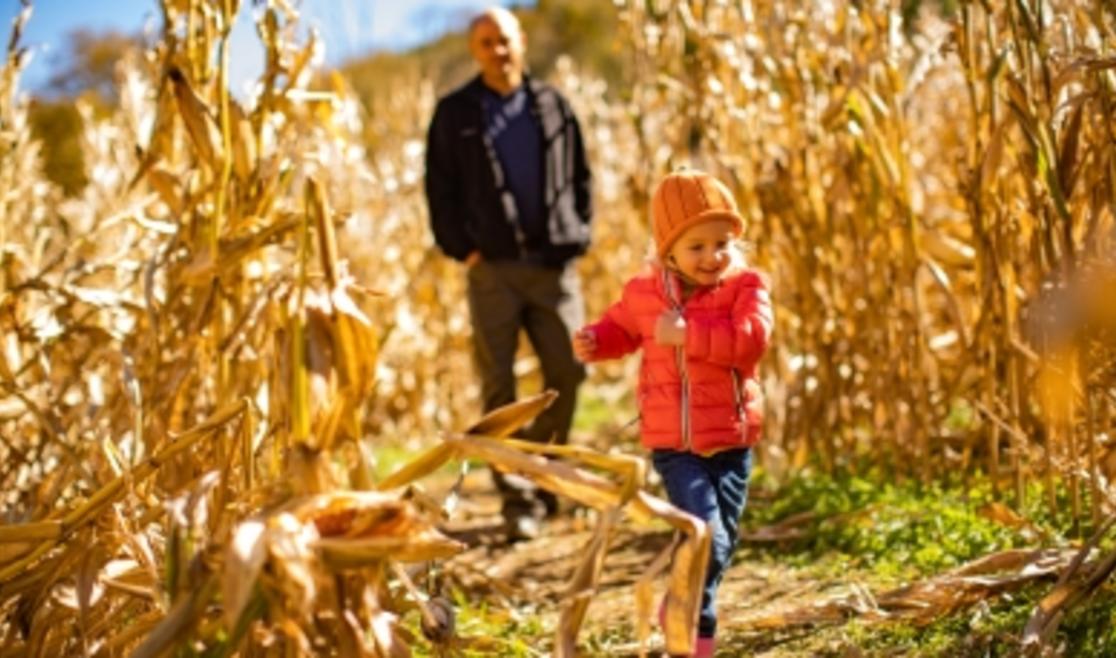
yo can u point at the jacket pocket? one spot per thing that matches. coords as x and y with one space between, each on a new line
737 392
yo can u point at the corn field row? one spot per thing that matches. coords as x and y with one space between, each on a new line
936 209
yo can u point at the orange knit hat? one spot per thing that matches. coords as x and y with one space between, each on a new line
686 197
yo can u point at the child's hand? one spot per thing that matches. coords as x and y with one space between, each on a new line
670 329
584 344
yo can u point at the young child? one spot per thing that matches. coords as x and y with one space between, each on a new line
703 321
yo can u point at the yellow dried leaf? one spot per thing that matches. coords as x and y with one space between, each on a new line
511 417
244 559
198 119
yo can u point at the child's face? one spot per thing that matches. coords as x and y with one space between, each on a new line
701 254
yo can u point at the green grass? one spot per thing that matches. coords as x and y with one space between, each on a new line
904 532
898 532
486 631
598 416
994 629
881 532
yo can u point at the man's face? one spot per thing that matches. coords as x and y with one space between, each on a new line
498 46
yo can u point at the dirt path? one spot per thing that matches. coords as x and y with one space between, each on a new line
532 576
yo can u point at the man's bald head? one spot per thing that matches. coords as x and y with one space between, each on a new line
498 45
498 16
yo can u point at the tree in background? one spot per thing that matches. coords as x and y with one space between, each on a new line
57 125
583 29
88 65
85 71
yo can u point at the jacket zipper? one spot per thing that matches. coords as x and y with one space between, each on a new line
686 443
680 359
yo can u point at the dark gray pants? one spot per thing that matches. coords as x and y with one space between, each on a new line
505 297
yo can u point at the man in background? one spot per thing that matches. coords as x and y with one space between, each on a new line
508 188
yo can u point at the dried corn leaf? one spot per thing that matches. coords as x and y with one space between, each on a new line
925 601
200 125
511 417
583 585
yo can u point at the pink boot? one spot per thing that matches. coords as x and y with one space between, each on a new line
705 647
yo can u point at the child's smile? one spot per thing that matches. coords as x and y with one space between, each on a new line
701 254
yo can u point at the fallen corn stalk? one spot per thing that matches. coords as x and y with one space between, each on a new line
1080 579
930 599
559 469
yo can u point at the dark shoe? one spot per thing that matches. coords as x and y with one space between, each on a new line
522 527
549 502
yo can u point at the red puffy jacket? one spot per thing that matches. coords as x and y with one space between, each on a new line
702 397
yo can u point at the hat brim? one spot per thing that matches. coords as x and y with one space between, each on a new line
707 216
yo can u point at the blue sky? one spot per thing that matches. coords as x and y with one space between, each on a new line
348 27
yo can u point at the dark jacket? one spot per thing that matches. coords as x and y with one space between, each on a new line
471 207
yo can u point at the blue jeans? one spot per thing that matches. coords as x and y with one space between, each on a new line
713 489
